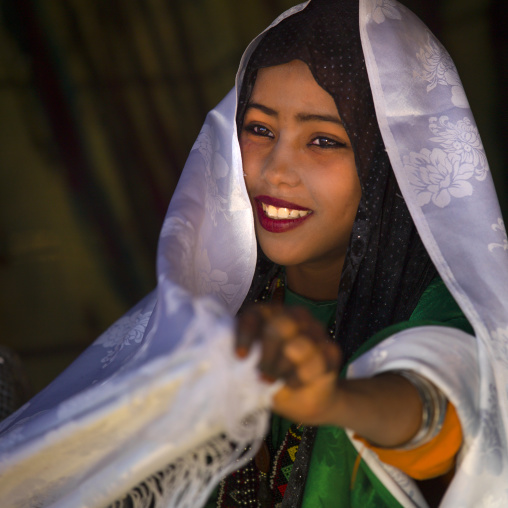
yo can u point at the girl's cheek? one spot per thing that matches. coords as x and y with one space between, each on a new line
250 147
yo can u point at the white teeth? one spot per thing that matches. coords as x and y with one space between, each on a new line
271 211
283 213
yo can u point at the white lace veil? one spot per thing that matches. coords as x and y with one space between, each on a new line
160 395
161 391
438 159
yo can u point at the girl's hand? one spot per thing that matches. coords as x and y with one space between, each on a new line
295 348
385 409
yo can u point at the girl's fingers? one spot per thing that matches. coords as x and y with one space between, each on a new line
308 359
333 357
280 326
308 325
294 346
280 368
300 349
277 331
249 329
271 356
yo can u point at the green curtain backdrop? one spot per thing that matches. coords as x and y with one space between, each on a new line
100 102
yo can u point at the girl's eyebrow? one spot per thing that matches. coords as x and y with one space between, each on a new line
309 117
301 117
264 109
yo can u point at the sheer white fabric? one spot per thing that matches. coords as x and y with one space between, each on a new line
161 393
438 158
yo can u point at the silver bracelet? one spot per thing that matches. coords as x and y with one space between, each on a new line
434 404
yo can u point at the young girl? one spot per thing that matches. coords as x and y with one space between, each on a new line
351 160
328 210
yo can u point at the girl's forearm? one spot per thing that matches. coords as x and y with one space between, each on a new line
385 410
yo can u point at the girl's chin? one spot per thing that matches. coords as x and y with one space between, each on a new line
279 254
283 251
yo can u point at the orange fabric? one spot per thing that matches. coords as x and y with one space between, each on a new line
433 459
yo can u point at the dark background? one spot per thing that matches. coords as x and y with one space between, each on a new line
100 102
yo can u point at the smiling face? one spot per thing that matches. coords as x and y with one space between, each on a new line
300 172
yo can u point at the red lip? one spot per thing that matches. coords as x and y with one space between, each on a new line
279 203
278 225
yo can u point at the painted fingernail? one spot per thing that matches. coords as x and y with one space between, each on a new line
267 378
242 352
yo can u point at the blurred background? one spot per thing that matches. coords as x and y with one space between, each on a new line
100 102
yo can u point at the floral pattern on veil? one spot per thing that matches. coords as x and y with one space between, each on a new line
445 172
439 176
439 69
212 280
127 331
216 168
463 139
499 226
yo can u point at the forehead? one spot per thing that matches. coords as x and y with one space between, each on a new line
292 86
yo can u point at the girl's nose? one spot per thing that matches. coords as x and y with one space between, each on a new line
280 167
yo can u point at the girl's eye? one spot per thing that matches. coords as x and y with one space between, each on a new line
324 142
259 130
